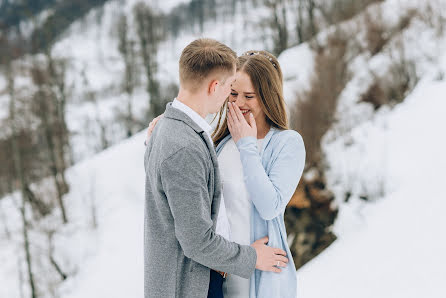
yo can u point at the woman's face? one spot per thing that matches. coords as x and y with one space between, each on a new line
242 93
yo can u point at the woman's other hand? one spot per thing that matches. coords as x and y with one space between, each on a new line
238 126
152 125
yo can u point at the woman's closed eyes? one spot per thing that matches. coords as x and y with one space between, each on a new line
235 95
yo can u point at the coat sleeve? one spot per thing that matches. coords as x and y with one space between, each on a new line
270 193
184 179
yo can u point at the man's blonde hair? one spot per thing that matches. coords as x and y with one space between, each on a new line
204 57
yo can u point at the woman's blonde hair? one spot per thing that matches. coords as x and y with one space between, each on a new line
266 77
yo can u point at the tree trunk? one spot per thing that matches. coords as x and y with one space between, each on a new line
21 180
26 246
51 151
57 79
53 262
311 7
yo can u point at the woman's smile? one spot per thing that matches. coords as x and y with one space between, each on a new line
244 111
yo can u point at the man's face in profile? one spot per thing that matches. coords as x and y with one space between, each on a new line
223 90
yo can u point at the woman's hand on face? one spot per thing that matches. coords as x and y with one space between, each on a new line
152 126
237 124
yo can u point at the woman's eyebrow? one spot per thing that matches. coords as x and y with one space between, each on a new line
243 92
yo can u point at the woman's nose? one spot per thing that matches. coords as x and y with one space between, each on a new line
237 101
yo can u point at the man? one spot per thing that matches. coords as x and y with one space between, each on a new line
183 205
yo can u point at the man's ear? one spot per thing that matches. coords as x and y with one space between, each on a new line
212 85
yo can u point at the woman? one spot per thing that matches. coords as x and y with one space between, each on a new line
261 162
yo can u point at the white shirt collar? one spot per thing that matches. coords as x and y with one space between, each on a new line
200 121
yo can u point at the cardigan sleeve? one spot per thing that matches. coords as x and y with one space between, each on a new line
270 193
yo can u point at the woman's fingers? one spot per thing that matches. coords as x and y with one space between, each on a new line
157 119
152 125
233 113
154 121
230 118
252 121
229 126
239 114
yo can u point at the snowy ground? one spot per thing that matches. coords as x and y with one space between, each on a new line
108 260
117 179
391 247
395 246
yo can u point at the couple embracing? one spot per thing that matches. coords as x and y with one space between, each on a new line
215 200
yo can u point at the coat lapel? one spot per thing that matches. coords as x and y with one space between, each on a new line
214 185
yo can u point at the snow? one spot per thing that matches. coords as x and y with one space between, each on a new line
90 45
389 246
394 247
297 66
110 255
118 185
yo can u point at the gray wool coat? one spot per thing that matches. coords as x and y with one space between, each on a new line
182 198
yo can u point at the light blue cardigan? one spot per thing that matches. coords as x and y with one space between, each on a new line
271 178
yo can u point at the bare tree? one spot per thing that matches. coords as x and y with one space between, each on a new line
91 96
315 109
278 23
19 177
51 257
21 181
150 34
27 248
300 22
21 281
340 10
5 224
46 111
401 77
304 12
311 5
57 69
126 48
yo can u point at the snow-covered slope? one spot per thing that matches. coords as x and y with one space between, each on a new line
91 47
116 178
108 260
390 247
393 247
